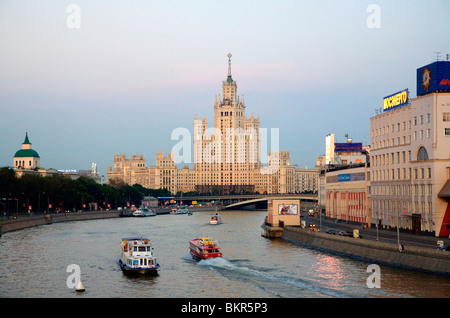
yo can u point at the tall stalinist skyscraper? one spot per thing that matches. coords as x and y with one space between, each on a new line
227 155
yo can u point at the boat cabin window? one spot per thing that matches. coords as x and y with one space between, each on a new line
142 248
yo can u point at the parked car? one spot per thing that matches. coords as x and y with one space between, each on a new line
346 233
331 231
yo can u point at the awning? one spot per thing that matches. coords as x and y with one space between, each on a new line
445 191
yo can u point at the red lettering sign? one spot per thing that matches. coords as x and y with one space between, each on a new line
445 81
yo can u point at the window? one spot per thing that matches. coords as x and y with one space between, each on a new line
428 118
447 131
428 132
422 155
446 117
415 121
421 119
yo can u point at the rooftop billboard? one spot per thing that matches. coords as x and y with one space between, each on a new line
396 100
347 146
433 77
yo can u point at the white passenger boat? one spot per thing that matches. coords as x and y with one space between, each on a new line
144 212
215 219
182 210
137 257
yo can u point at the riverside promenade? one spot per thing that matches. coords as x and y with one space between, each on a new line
23 222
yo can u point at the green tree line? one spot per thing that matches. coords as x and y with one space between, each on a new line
35 193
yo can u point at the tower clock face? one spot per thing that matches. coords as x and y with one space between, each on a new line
426 78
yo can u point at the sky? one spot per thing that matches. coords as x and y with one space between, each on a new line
91 79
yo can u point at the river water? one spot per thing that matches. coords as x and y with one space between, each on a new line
34 263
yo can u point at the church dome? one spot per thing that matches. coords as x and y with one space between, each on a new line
26 153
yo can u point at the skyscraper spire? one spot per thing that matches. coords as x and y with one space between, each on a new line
229 79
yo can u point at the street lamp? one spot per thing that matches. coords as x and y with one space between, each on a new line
400 247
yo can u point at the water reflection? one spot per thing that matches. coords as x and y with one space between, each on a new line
328 268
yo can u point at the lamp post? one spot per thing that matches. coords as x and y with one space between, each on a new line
377 224
400 247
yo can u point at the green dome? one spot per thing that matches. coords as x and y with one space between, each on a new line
26 153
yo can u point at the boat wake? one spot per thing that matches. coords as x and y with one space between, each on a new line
268 282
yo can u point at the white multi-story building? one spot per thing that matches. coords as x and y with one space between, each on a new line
410 157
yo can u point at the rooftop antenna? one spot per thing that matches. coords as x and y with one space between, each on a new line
437 55
447 56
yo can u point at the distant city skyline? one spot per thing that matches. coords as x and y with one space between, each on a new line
119 77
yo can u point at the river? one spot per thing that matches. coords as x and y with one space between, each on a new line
34 263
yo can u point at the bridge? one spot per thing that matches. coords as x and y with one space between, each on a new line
245 201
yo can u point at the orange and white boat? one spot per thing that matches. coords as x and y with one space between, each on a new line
215 219
204 248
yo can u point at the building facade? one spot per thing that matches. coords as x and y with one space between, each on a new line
410 157
347 194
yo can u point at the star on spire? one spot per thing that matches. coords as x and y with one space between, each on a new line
229 79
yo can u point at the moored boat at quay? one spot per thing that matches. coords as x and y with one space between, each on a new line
144 212
182 210
138 257
204 248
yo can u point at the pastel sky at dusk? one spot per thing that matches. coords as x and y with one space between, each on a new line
135 70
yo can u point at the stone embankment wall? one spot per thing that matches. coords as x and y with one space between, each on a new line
416 258
22 223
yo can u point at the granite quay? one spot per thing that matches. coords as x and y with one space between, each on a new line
414 254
